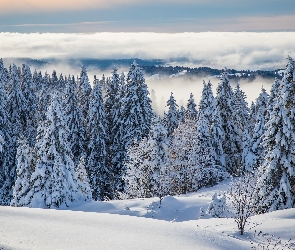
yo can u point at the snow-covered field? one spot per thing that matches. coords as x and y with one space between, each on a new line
141 224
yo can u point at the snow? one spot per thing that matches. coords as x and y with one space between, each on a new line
139 224
181 73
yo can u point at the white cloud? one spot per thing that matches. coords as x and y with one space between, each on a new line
232 50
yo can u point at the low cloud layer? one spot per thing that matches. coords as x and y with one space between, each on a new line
241 50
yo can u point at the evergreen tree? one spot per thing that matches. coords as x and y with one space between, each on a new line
241 109
17 104
252 117
44 97
136 116
138 113
207 172
147 173
38 82
61 83
73 119
29 92
99 174
54 181
275 186
181 114
218 137
207 104
7 151
25 167
159 158
253 154
232 138
4 76
191 110
83 181
171 118
272 97
54 82
114 104
241 120
217 207
103 85
84 90
138 172
183 157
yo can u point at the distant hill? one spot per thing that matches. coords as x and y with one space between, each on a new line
153 67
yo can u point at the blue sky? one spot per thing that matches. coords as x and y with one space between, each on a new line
146 16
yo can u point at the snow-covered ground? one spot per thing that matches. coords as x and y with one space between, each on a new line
140 224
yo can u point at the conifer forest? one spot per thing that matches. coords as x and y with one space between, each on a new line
65 139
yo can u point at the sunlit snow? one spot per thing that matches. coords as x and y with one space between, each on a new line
140 224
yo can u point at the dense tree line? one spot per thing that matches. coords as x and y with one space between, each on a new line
63 139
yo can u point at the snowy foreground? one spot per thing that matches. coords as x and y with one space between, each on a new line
140 224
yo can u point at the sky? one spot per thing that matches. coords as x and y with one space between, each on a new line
168 16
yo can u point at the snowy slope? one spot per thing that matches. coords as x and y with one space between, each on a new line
138 224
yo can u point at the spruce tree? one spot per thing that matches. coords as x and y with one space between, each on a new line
171 118
54 181
241 120
29 92
191 110
136 116
38 82
83 184
183 158
252 117
138 172
17 103
84 90
272 97
138 113
25 167
54 83
147 172
207 172
253 154
73 119
218 137
181 114
232 137
159 160
44 97
4 76
114 104
100 176
7 151
276 182
241 116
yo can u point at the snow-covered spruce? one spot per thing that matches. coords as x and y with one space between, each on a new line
171 117
232 137
54 181
147 168
191 108
276 183
100 176
25 167
7 151
29 92
73 119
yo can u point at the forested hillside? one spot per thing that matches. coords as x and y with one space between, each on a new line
64 139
